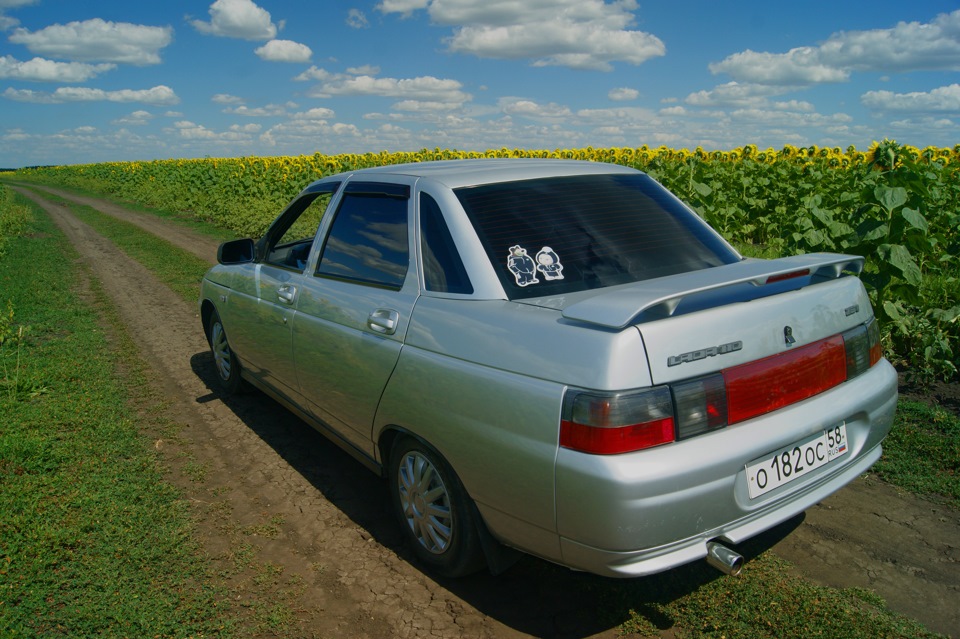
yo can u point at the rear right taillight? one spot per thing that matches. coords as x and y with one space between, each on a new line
612 423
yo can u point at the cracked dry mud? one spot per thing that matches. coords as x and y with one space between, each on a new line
266 485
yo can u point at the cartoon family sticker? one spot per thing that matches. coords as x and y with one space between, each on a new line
524 268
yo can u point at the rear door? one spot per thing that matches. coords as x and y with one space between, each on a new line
354 308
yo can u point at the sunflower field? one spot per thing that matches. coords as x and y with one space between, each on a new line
898 206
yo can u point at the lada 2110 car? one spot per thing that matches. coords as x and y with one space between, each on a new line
558 357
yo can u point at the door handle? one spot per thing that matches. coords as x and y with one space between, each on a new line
287 293
384 321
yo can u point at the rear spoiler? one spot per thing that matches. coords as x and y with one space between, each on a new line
660 297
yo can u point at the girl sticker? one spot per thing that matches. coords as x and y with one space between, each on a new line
548 263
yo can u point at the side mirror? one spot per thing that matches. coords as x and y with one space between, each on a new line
236 252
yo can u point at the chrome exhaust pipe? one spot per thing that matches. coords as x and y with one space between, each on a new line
723 559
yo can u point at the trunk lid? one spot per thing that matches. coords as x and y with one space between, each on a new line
705 321
711 340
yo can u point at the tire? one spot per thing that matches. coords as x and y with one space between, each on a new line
437 517
225 362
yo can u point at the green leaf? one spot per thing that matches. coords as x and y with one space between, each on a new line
702 189
903 261
915 219
946 315
891 310
872 230
813 237
890 197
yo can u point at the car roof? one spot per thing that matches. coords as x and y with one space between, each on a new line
472 172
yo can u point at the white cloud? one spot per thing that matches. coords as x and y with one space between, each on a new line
97 39
801 106
425 88
270 110
357 19
799 66
237 19
6 22
788 119
581 34
318 113
186 130
424 106
533 110
733 94
937 126
941 99
43 70
367 69
284 51
403 7
909 46
137 118
674 110
313 73
226 98
158 95
623 94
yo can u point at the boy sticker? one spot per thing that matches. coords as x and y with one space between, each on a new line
522 266
548 263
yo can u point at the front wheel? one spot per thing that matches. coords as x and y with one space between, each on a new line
228 368
435 513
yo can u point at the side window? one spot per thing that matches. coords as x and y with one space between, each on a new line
367 243
290 239
443 271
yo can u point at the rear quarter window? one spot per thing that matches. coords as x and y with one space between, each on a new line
558 235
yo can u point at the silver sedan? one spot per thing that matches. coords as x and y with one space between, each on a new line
555 357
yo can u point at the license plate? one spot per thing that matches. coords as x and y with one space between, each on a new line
792 462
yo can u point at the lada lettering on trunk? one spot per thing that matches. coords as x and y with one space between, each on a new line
703 353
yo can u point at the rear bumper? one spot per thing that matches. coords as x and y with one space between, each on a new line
645 512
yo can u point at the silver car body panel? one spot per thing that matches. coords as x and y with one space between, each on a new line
482 379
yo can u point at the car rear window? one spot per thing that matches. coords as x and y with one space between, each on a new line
558 235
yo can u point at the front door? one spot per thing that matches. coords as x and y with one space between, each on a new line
353 311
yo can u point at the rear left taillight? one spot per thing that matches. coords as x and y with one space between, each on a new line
613 423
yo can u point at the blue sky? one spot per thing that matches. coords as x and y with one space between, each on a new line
104 80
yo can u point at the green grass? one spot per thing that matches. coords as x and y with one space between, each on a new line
922 452
92 541
767 601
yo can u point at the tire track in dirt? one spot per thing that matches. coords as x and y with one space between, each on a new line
337 535
199 245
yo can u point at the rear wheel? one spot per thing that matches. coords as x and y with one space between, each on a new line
435 513
228 368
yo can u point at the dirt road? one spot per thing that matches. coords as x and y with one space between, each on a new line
271 492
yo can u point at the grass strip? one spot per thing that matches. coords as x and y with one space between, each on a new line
922 452
768 601
92 541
